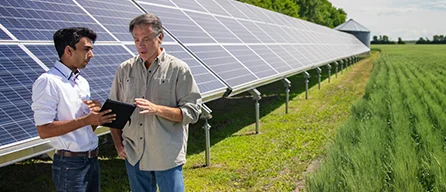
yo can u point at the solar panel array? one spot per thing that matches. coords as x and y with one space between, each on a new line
227 44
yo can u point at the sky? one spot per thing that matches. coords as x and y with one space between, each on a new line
408 19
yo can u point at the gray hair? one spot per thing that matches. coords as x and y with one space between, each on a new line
149 19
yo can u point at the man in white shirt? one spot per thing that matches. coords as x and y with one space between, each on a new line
64 113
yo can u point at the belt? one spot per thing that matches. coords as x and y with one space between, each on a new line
89 154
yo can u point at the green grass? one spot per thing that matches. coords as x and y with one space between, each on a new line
395 138
275 160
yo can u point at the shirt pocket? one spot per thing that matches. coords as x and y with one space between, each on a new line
133 88
162 91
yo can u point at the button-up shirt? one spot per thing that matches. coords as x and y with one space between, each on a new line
57 96
157 143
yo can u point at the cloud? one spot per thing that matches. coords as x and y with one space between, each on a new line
395 11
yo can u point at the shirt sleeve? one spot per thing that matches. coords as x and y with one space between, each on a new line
45 99
189 97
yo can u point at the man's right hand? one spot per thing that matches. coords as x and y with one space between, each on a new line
99 118
121 151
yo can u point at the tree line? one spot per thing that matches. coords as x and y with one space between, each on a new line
321 12
384 39
437 39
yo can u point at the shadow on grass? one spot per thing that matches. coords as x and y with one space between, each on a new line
232 114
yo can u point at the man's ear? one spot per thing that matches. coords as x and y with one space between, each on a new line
161 37
67 50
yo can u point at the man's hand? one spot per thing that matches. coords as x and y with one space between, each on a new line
94 105
146 106
121 151
98 118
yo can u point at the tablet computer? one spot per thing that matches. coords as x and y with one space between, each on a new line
122 110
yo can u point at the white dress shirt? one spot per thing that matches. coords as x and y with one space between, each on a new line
57 96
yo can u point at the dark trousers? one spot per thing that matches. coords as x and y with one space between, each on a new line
76 174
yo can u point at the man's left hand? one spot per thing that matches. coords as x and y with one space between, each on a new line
94 105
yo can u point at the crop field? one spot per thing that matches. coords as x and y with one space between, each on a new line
395 138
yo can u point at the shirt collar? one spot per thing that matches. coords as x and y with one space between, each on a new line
66 72
159 60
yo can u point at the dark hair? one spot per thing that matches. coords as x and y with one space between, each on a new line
149 19
71 36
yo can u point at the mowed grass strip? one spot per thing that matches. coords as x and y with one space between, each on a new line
276 159
395 138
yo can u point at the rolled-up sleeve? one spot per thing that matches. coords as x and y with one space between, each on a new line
189 96
45 99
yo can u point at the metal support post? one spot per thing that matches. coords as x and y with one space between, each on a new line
287 84
337 66
206 114
307 79
319 71
329 72
256 96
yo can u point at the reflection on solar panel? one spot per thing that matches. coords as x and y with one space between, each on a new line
226 43
17 75
37 20
99 71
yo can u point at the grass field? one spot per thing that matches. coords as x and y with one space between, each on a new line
275 160
395 138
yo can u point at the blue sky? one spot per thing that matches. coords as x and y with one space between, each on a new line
408 19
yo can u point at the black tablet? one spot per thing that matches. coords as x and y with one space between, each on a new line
122 110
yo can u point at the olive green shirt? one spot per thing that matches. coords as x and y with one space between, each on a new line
159 144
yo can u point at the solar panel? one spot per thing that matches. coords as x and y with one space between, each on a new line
224 64
38 20
213 7
250 59
259 14
238 29
243 7
179 24
99 71
17 75
231 9
257 31
214 28
4 36
188 4
115 15
206 81
271 58
286 56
